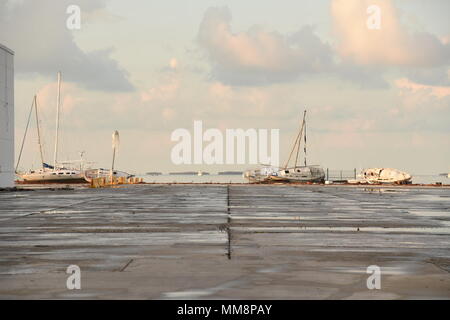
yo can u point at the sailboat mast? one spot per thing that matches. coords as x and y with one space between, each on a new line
300 139
115 145
25 135
305 137
296 144
38 131
57 120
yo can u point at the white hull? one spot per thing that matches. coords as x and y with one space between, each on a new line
386 176
304 174
104 173
53 176
295 174
259 175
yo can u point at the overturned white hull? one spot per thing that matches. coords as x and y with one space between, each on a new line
386 176
104 173
260 175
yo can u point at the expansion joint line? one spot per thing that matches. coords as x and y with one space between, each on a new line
61 207
228 223
126 265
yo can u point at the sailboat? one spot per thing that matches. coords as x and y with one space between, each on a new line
49 173
305 173
295 173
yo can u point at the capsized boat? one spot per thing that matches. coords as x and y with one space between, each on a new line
90 174
386 175
296 173
260 175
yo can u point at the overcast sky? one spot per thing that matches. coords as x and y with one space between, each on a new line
145 68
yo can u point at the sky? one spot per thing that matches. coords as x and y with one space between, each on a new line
375 97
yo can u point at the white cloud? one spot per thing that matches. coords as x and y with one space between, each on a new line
37 32
391 45
258 56
173 63
412 87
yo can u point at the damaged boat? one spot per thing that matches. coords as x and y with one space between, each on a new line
385 176
314 174
261 174
290 174
105 173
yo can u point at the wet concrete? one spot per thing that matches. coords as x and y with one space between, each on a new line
226 241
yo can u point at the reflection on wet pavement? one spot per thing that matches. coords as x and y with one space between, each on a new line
218 241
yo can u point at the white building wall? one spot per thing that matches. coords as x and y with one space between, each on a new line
6 117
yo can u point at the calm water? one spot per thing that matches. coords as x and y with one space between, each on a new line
419 179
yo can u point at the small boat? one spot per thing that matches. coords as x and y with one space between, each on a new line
385 176
90 174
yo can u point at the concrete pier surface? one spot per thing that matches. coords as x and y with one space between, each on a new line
226 242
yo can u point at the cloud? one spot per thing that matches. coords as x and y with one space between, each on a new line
392 45
173 63
359 55
364 76
437 76
46 97
37 32
168 86
258 56
412 87
422 107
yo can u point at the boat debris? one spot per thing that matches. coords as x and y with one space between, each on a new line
385 176
104 173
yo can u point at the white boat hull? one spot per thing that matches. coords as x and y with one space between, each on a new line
53 176
104 173
304 174
386 176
